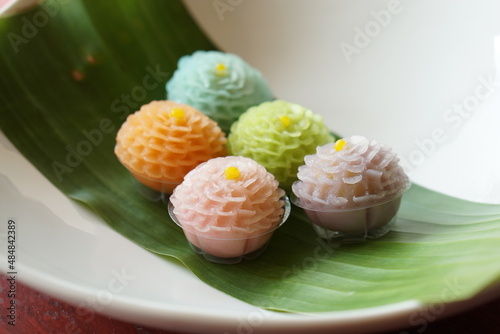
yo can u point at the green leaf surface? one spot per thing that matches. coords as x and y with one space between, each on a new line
66 87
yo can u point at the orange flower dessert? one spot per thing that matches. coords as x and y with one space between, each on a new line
164 140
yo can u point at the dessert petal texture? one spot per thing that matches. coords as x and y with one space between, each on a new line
278 135
212 204
164 140
355 174
221 85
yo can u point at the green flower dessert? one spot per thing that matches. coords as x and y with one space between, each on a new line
221 85
278 135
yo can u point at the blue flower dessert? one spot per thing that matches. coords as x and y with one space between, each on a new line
221 85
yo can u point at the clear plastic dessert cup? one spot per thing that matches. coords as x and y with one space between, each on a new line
230 250
348 226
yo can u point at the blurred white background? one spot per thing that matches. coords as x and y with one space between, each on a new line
420 76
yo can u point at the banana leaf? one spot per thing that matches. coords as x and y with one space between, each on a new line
71 71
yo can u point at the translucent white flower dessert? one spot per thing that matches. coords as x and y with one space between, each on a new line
351 189
228 208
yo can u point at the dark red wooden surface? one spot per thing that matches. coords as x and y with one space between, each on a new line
37 312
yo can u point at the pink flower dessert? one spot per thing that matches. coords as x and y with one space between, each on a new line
229 208
351 189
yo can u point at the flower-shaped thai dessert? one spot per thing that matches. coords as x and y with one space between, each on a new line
164 140
351 189
221 85
278 135
229 208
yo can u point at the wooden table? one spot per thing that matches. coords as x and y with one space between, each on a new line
39 313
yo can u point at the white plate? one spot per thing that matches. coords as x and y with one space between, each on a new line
402 83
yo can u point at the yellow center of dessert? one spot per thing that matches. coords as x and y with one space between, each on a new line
286 121
232 173
220 69
339 145
178 114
